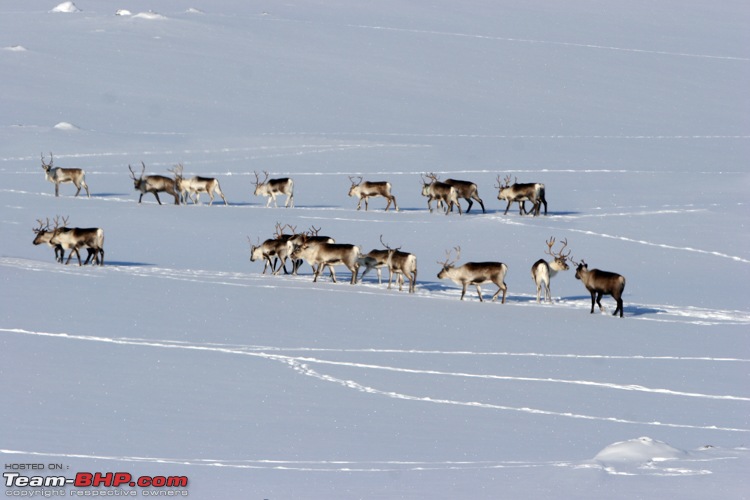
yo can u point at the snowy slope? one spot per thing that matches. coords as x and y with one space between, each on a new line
178 357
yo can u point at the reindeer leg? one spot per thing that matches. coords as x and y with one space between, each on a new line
599 301
157 197
507 208
463 290
593 298
479 292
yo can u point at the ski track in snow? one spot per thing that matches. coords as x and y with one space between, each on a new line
302 366
636 311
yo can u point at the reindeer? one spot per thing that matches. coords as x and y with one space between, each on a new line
329 254
474 273
542 271
401 264
195 186
312 238
274 187
533 192
58 175
365 190
154 184
466 190
600 283
44 235
74 238
279 247
440 191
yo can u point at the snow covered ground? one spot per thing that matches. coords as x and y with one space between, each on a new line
179 358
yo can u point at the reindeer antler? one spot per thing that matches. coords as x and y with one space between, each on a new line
257 178
355 183
386 244
559 254
313 231
42 226
177 170
448 262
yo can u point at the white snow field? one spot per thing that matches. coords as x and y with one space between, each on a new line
179 358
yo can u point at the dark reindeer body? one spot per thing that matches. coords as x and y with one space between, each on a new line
600 283
76 238
440 192
533 192
154 184
466 190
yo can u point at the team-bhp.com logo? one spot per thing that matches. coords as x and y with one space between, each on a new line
157 484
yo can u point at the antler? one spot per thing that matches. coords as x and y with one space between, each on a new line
386 244
51 160
257 178
431 175
313 231
448 262
132 172
42 226
56 221
177 170
559 254
355 183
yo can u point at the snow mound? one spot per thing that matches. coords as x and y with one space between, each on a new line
66 7
15 48
638 451
191 10
66 126
150 15
123 12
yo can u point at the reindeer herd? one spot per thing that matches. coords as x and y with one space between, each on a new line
323 251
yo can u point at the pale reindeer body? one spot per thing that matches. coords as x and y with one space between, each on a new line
466 190
543 271
272 188
329 254
475 273
311 240
58 175
366 190
600 283
191 189
154 184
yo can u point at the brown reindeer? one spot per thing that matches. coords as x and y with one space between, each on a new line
365 190
466 190
443 193
154 184
600 283
274 187
543 271
64 238
58 175
329 254
533 192
474 273
191 189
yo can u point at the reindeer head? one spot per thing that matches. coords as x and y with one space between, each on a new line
259 183
559 258
449 264
355 185
137 182
177 171
43 233
47 166
256 251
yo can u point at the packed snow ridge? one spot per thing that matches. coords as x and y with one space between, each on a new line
638 451
66 7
